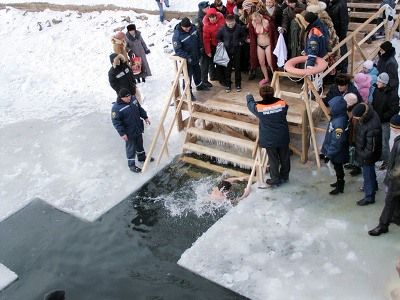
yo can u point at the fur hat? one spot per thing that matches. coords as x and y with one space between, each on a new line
351 99
124 93
186 22
315 6
310 17
119 36
368 64
395 122
359 110
386 46
383 77
131 27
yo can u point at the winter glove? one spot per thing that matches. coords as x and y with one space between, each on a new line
324 158
147 51
281 30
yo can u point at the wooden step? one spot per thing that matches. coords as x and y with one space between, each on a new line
225 121
227 106
222 137
236 159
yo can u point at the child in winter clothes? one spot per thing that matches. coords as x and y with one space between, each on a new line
363 84
370 69
336 144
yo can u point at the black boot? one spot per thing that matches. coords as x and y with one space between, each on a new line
378 230
338 188
334 184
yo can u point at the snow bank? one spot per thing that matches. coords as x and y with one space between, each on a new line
58 142
6 277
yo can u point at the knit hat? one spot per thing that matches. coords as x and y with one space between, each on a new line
310 17
359 110
131 27
386 46
395 122
368 64
124 93
351 99
186 22
315 6
384 78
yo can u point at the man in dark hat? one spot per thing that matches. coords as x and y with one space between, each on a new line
187 44
387 63
368 141
127 117
391 211
316 44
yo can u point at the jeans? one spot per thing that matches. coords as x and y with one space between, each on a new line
279 156
133 147
370 183
385 142
234 62
161 8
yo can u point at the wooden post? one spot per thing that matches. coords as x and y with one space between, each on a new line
305 138
353 55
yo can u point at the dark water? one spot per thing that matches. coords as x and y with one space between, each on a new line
130 253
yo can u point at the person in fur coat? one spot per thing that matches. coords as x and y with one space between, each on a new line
363 84
119 44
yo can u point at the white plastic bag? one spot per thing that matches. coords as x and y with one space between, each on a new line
221 57
280 51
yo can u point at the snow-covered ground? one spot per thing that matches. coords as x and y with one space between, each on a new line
176 5
6 276
57 140
297 242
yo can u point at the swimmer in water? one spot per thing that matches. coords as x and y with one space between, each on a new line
230 189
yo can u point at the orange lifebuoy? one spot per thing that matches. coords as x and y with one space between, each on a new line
290 66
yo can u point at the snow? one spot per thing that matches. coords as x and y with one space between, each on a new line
6 277
58 142
175 5
297 242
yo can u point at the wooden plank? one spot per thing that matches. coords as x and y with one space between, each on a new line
221 137
372 6
360 15
212 167
229 157
226 121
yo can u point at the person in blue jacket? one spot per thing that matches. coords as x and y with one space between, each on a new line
316 43
127 117
273 133
187 44
336 143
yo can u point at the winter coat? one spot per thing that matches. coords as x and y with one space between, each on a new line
222 11
230 7
385 102
316 44
232 38
276 16
363 84
272 31
187 44
120 74
200 15
290 13
119 47
127 118
273 125
392 178
387 63
210 30
135 44
368 137
336 143
337 10
334 91
373 73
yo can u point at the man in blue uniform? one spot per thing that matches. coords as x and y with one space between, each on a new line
127 117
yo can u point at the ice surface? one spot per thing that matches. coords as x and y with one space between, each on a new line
57 140
298 242
6 277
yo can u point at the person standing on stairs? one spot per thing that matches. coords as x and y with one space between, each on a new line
336 143
273 133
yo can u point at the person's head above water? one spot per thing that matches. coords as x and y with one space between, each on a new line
224 186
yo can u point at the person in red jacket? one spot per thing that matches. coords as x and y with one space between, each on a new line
212 22
230 6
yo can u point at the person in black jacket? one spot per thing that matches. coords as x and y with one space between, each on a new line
187 44
342 87
337 10
368 141
233 37
385 102
220 7
127 117
120 74
275 12
336 143
392 181
387 63
273 133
